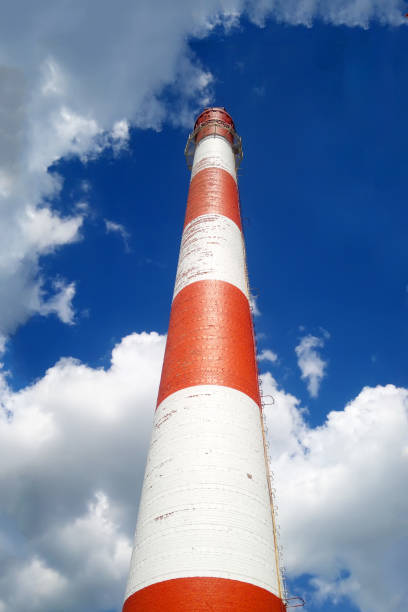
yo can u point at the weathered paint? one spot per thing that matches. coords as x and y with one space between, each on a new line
211 249
205 504
213 191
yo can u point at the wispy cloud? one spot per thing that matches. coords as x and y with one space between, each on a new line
312 366
61 302
253 303
112 227
120 135
267 355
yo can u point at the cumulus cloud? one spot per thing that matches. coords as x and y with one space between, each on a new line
120 134
30 228
267 355
72 453
73 447
312 366
60 302
342 503
73 82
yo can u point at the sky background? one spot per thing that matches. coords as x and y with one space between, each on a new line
96 105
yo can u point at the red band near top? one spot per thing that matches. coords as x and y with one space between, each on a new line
213 190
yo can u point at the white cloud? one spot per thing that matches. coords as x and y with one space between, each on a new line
121 130
72 453
311 365
29 228
120 135
72 83
120 229
351 13
267 355
342 500
49 585
253 303
3 342
60 302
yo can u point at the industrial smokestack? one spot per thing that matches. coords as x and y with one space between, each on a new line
205 537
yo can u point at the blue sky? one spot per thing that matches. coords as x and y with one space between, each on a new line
322 114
